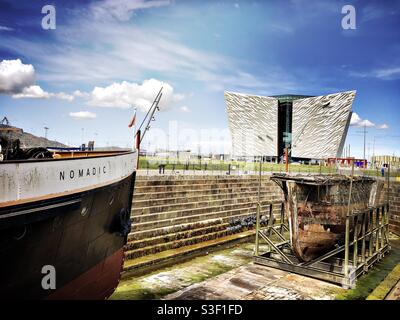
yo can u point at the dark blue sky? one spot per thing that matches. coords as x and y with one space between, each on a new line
200 49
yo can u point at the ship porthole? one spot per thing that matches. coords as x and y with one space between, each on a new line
19 234
84 211
111 199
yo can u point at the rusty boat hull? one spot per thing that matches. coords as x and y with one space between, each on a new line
317 206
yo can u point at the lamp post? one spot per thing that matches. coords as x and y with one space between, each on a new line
45 131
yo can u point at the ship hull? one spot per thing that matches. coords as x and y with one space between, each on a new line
317 212
77 238
68 246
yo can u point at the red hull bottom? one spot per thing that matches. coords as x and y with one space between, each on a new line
98 283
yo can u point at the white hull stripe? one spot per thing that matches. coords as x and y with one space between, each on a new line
44 208
31 181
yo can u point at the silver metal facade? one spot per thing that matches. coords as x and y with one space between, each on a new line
319 124
253 124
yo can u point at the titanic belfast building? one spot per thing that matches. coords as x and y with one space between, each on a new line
312 127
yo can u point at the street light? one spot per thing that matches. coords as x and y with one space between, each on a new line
45 131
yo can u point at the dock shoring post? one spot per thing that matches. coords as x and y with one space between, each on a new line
282 217
363 230
378 229
271 218
257 229
382 228
258 211
347 232
355 246
371 229
386 224
387 203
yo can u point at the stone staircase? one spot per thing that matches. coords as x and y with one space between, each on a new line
171 212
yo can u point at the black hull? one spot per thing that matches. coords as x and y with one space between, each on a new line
85 246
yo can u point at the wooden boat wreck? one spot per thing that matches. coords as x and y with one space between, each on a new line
317 205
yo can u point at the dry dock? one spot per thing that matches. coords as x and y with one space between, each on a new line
229 273
255 282
184 244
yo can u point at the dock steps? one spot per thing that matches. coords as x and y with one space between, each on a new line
176 212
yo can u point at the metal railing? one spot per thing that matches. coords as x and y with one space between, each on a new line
171 166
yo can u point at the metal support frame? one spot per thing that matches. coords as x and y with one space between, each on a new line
368 245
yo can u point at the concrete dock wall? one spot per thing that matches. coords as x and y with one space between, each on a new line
394 204
174 211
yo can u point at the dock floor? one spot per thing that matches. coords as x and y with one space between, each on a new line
255 282
229 273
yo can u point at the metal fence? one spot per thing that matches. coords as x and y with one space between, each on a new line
170 166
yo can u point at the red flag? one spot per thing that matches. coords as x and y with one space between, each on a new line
130 125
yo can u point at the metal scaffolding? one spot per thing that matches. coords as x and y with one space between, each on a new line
342 265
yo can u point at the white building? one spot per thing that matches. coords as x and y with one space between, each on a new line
311 127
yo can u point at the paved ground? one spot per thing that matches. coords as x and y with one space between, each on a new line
395 293
255 282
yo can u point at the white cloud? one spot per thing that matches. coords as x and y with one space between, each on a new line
387 73
62 96
356 121
127 94
383 126
34 92
82 115
178 97
185 109
80 94
15 76
123 9
374 12
18 80
126 51
4 28
366 123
